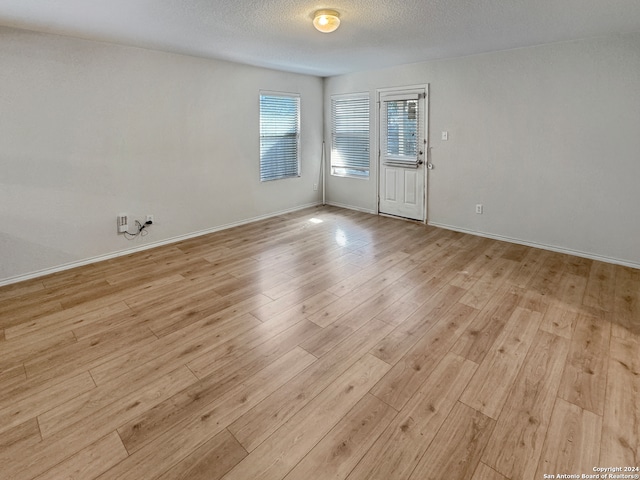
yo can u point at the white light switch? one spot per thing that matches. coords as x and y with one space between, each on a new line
445 135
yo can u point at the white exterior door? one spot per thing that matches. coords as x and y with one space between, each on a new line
402 189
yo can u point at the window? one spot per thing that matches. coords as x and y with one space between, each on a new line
279 136
350 135
402 128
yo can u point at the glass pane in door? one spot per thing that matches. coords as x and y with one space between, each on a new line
402 128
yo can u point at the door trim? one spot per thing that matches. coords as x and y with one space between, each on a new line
406 89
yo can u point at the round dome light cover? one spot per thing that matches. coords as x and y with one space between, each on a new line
326 21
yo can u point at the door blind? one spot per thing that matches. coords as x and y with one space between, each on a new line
403 130
279 136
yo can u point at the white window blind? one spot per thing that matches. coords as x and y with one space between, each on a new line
350 135
279 136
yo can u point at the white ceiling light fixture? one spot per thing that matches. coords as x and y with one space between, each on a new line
326 21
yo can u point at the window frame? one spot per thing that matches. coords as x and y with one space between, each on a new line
340 170
264 125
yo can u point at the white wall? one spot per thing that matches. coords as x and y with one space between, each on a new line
89 130
547 138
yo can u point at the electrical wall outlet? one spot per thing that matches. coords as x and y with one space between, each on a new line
149 218
123 222
315 187
445 136
479 208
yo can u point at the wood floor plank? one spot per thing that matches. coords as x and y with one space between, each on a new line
585 374
426 276
484 472
617 330
33 405
476 341
83 355
16 352
621 421
360 294
170 289
560 321
10 375
126 381
578 266
108 395
309 298
343 447
219 310
533 301
529 267
515 252
168 266
573 441
333 270
488 390
475 269
84 407
420 284
91 461
332 335
210 461
233 348
260 422
547 279
185 344
302 432
21 436
24 464
488 284
241 288
400 310
18 386
405 378
120 321
516 443
354 281
455 451
179 442
398 450
443 266
601 286
98 291
627 298
571 290
67 320
395 345
16 313
20 289
144 428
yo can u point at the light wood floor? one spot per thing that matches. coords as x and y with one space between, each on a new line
360 347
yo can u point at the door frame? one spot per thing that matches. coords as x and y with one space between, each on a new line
427 156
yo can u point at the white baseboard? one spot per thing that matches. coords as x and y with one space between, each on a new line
148 246
351 207
542 246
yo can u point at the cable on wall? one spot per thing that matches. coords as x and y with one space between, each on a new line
142 230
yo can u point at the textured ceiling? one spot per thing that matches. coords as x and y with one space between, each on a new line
279 34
